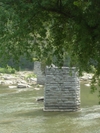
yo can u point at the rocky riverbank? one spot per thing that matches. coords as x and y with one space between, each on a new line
27 79
22 79
86 79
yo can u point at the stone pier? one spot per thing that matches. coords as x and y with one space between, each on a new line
39 72
62 89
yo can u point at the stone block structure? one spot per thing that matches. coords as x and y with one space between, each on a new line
62 89
40 74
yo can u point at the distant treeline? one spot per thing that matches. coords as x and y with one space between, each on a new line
24 64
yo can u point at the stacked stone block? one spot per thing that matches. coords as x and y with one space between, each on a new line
62 89
39 73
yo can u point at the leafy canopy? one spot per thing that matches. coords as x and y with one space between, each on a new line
51 30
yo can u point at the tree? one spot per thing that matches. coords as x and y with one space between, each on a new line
52 30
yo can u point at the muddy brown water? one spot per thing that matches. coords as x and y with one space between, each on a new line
21 113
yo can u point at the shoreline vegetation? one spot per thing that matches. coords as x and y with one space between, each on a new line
7 70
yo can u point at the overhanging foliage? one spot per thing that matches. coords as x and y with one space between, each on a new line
52 30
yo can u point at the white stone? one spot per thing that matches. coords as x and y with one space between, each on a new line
23 86
11 87
33 79
37 88
87 85
7 82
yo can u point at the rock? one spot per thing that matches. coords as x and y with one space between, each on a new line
18 79
23 86
11 87
28 86
33 79
6 82
86 77
37 88
40 86
23 82
34 82
90 77
40 99
87 85
8 77
2 82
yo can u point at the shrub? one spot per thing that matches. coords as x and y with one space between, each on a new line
8 70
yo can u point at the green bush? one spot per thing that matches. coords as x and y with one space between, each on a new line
8 70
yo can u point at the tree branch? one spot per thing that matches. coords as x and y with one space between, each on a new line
67 14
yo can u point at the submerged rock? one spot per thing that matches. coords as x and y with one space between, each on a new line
40 99
23 86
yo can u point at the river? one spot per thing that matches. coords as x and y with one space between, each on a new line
21 113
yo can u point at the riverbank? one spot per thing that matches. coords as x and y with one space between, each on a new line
21 79
27 79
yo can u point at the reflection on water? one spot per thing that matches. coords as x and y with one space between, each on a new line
21 113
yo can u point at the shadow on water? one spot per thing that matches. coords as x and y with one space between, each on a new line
88 99
40 112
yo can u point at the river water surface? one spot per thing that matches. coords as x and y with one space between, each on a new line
21 113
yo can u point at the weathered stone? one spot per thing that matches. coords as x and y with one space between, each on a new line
62 89
36 88
12 86
40 74
6 82
23 86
